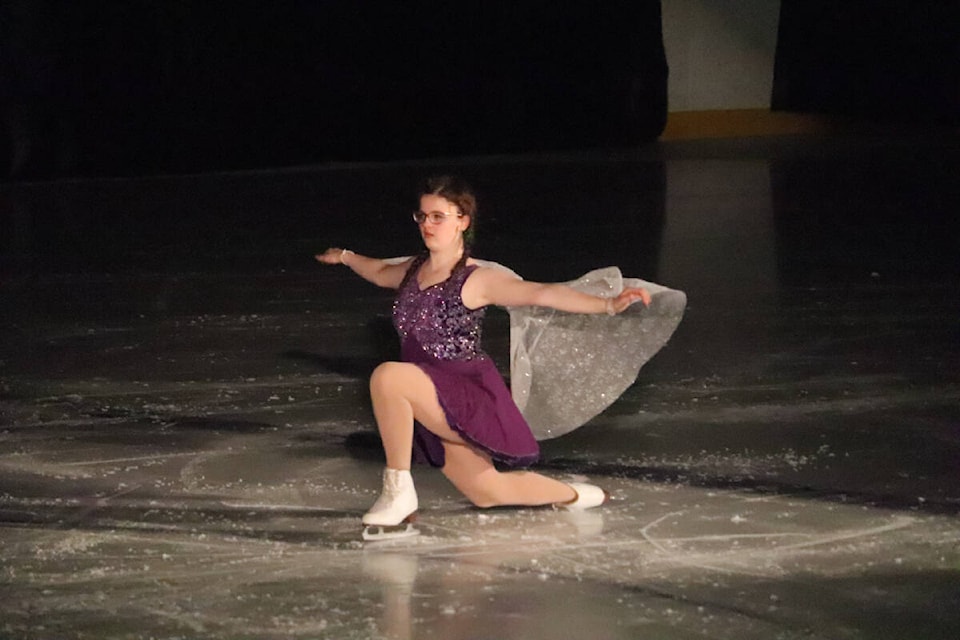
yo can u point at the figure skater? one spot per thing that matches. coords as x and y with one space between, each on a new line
445 403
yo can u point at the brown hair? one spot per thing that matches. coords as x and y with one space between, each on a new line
457 191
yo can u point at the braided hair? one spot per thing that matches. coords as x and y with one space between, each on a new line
457 191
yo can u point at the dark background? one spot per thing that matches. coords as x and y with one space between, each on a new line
94 88
884 60
147 86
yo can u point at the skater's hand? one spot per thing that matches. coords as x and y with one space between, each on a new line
333 255
627 297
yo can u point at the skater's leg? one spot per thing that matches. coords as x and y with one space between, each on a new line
402 392
473 473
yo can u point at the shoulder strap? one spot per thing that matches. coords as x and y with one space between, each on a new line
412 269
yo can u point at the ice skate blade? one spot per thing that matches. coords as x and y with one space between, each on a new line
379 533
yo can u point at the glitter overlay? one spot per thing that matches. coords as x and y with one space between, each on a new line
565 368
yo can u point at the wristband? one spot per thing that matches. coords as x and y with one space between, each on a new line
343 255
609 306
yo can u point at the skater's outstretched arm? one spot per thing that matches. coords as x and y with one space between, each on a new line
380 272
492 286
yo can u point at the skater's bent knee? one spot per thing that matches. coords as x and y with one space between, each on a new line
387 373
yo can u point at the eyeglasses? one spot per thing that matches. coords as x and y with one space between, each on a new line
435 217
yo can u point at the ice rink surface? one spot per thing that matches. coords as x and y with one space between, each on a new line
187 445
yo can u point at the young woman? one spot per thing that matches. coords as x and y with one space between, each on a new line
445 402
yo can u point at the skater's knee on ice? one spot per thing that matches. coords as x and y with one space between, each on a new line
483 501
478 495
483 496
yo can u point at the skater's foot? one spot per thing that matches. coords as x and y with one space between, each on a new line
588 496
397 504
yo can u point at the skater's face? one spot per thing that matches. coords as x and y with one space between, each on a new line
441 222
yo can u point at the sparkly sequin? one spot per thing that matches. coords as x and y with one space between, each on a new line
442 337
565 368
437 318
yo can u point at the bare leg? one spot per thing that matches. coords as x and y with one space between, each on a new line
402 392
473 473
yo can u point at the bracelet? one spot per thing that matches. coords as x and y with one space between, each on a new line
609 306
343 254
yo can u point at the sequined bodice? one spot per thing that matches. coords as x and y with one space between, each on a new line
436 318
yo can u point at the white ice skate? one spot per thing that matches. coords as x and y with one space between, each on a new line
588 496
392 515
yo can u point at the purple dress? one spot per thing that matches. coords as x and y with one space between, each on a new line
442 337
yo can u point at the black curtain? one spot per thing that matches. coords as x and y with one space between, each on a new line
873 59
92 87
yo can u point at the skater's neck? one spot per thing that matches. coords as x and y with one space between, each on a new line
444 260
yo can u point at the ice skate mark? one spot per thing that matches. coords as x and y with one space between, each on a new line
506 545
149 517
224 570
645 531
90 506
737 536
211 548
687 471
744 558
223 558
791 409
189 621
465 550
155 456
190 476
279 508
115 389
511 532
899 522
27 464
700 561
80 421
74 543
